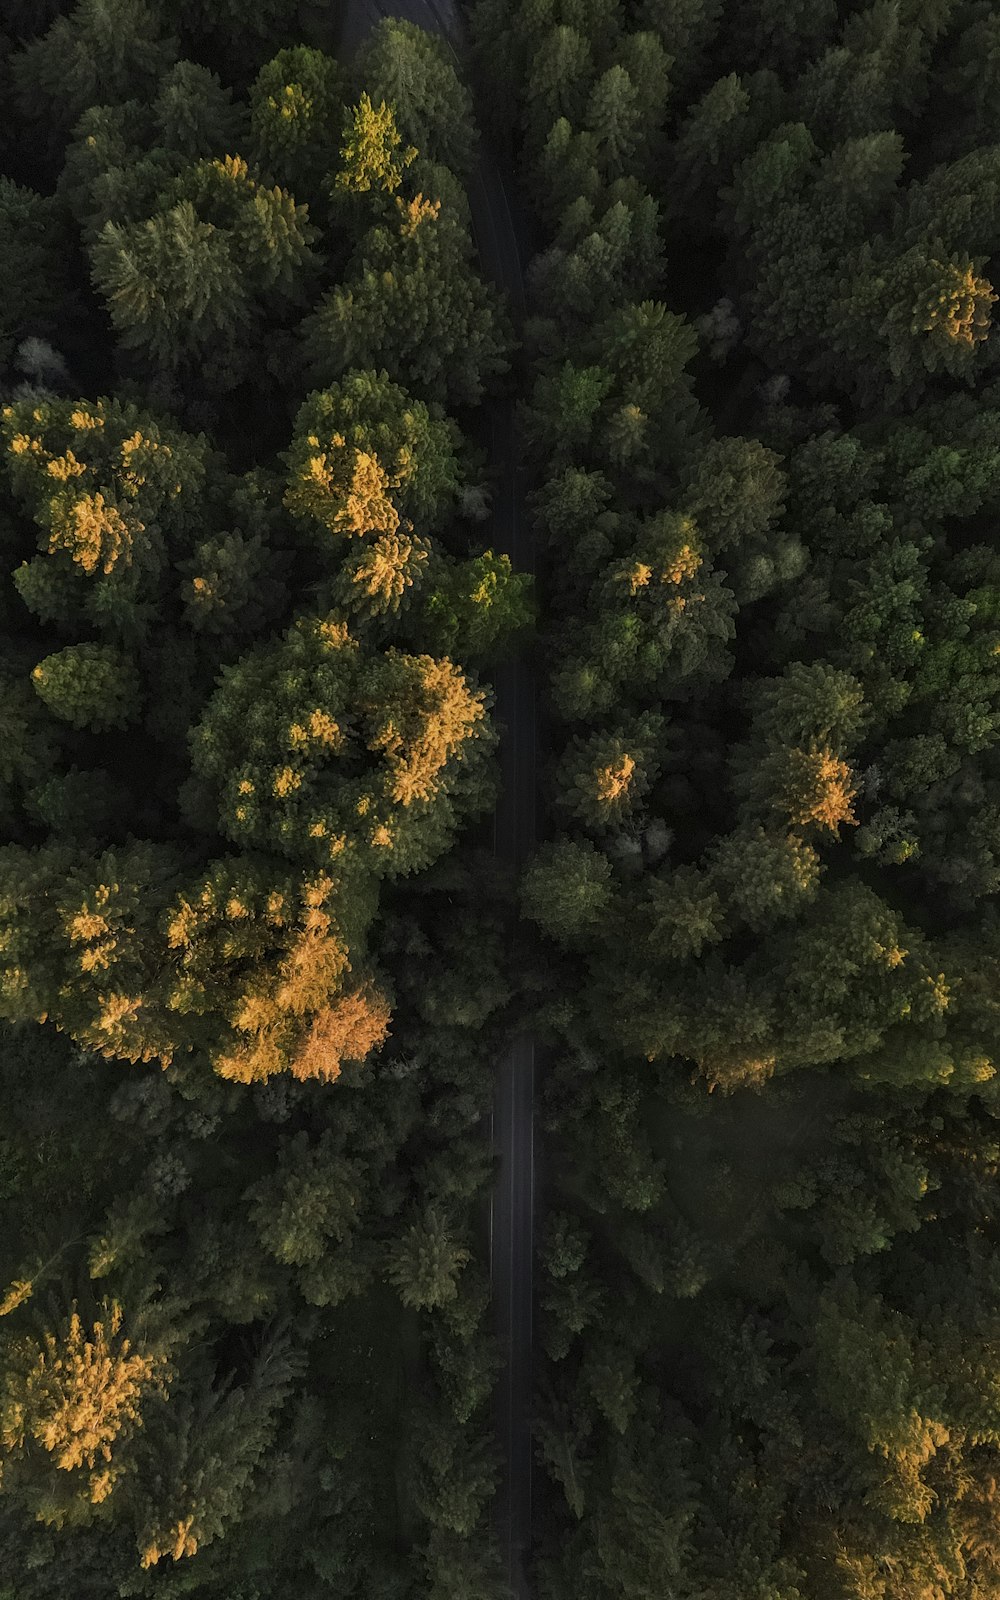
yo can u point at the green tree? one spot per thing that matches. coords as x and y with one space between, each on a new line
187 284
567 890
296 117
102 52
310 748
424 1262
197 1469
560 75
364 454
411 70
603 778
474 609
90 686
413 305
107 488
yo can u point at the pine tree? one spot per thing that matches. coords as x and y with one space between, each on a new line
411 70
560 74
101 53
364 455
472 610
312 749
614 116
373 156
567 890
603 778
413 305
296 117
89 686
187 283
424 1263
194 1477
107 487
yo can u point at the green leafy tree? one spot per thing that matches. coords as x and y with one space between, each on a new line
197 1469
122 156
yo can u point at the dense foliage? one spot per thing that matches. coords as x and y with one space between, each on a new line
255 972
249 1003
763 411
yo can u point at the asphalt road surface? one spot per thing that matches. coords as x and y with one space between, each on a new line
512 1119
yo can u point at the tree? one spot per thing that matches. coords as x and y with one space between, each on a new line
72 1400
102 52
79 934
368 157
296 116
712 135
311 748
364 454
311 1198
106 487
567 890
258 962
614 117
645 627
764 876
474 609
560 75
186 284
424 1263
231 587
90 686
196 1472
603 779
413 305
877 71
410 70
122 156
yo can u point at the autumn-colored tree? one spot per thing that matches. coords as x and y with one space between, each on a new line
310 748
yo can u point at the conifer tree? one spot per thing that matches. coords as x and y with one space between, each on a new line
311 748
89 686
413 305
411 70
101 53
364 455
187 283
296 116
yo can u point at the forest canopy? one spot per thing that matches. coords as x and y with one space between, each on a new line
279 456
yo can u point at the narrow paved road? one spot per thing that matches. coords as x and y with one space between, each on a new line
512 1121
